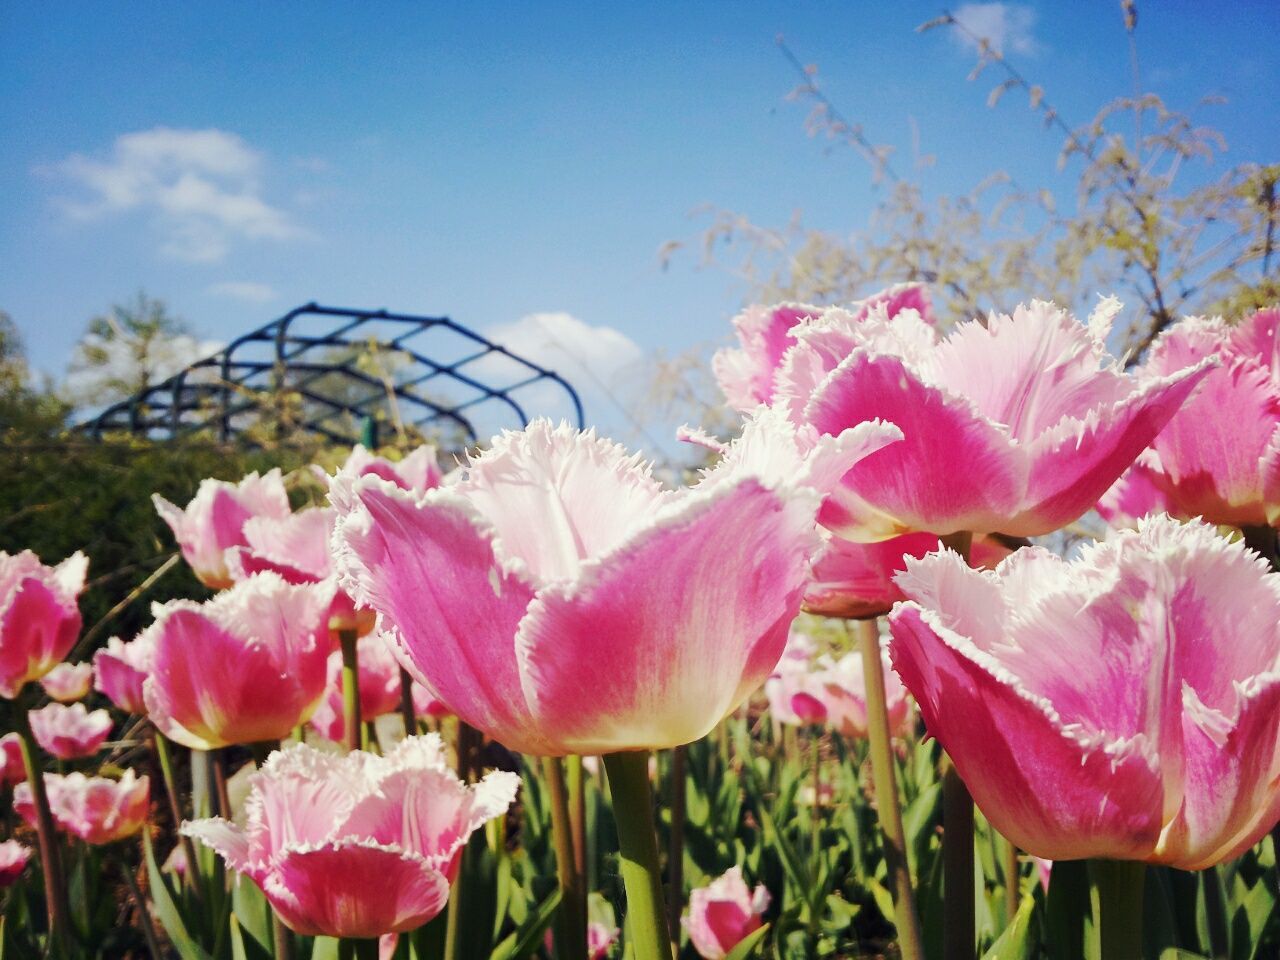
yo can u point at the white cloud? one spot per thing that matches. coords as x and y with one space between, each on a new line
201 187
1007 27
248 291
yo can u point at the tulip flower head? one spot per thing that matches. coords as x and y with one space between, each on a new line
95 809
296 548
13 860
418 470
1119 706
214 520
69 732
12 768
356 845
723 914
1016 425
68 682
1140 492
833 693
1219 457
121 667
560 600
244 667
39 618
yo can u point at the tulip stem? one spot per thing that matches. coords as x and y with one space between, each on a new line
641 872
361 949
1012 879
351 727
675 848
906 919
957 866
140 904
571 919
165 758
407 713
55 894
578 814
1115 893
281 942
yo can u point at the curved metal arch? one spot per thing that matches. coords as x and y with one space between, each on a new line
216 393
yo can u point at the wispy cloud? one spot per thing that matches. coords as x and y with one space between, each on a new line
1006 27
202 189
247 291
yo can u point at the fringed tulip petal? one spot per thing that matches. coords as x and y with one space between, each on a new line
723 913
120 669
95 809
70 732
68 682
39 616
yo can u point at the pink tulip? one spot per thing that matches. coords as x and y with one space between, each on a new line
1219 458
560 600
214 520
69 732
39 619
95 809
297 548
600 940
13 860
379 689
121 667
747 374
1140 492
723 914
1119 706
68 682
356 845
795 693
12 768
1016 426
844 692
417 471
855 580
246 666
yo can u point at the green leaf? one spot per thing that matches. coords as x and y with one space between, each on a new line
1019 940
1250 920
245 947
1068 911
747 944
167 910
325 948
252 913
525 941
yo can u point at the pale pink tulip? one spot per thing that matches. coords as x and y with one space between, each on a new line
1140 492
855 580
379 675
13 860
214 520
747 374
246 666
794 692
297 548
561 601
69 732
418 470
844 693
1015 426
356 845
1219 458
1122 705
121 667
95 809
39 618
12 768
723 914
68 682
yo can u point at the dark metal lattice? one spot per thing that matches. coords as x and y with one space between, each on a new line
342 369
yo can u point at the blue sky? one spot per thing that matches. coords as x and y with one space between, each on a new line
492 161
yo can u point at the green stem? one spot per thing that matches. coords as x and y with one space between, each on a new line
571 919
641 873
888 804
576 782
361 949
218 764
281 940
1115 894
55 894
1012 880
351 729
407 713
164 755
675 848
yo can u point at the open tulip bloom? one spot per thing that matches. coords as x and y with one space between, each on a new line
120 668
723 913
13 860
68 682
96 809
356 845
1121 706
39 616
68 732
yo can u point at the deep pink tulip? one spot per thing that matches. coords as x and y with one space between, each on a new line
418 470
246 666
214 520
95 809
1014 426
1121 706
1140 492
356 845
747 374
723 914
68 682
39 618
297 548
121 667
13 860
12 768
855 580
1219 458
561 601
379 689
70 732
